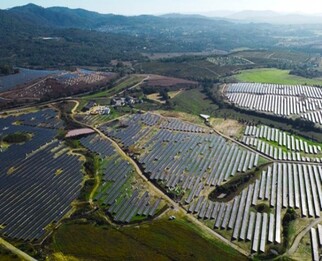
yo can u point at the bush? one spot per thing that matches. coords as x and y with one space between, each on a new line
289 216
261 208
17 137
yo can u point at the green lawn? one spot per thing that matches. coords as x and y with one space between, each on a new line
194 102
274 76
158 240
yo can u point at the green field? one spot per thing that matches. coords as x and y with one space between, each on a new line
274 76
194 102
158 240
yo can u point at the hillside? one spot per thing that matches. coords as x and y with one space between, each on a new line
57 36
58 16
28 43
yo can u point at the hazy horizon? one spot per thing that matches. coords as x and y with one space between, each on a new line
130 7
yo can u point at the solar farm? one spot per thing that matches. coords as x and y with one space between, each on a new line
39 179
190 161
282 100
151 165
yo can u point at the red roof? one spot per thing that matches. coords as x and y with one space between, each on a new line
78 132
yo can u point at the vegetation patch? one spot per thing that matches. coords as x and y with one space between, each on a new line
274 76
59 172
228 191
158 240
288 219
18 137
193 101
6 255
228 127
262 207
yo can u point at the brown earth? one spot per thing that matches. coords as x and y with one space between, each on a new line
163 81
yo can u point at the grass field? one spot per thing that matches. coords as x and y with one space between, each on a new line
228 127
159 240
194 102
274 76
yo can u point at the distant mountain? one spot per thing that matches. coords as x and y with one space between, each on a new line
30 37
275 17
58 36
250 14
178 15
62 17
58 16
13 25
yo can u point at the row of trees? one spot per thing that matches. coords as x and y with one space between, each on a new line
306 72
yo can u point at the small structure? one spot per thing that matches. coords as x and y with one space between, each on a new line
130 100
102 110
118 102
79 132
122 101
205 117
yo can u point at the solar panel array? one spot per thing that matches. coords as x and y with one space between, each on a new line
98 145
178 125
316 242
121 200
17 152
38 179
193 161
281 100
129 132
137 126
34 195
286 146
281 186
46 118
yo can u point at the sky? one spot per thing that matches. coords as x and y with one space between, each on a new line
135 7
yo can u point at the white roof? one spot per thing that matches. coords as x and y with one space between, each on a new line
204 116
